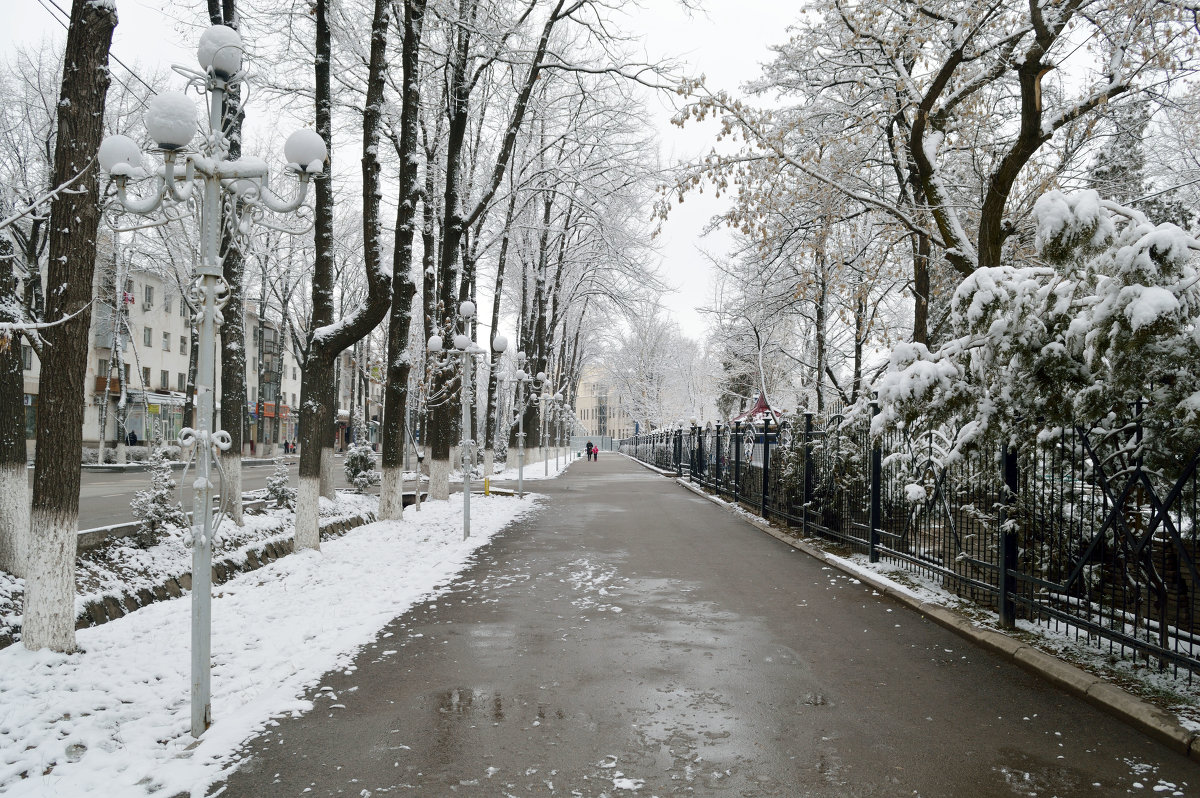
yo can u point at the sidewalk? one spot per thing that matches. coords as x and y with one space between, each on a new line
634 639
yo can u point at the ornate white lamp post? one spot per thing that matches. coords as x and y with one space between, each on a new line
558 418
533 384
204 175
466 349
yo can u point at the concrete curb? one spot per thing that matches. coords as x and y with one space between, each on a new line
1145 717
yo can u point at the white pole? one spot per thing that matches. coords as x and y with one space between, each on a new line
209 272
466 442
521 438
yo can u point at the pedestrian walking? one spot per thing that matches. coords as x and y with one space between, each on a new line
589 450
131 439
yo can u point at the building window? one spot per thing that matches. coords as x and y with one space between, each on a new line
164 380
166 342
26 357
183 344
167 304
126 373
182 383
293 400
30 416
182 307
102 368
149 301
145 376
147 337
293 372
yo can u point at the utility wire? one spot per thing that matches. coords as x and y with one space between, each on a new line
53 6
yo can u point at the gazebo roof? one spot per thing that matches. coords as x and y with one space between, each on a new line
760 411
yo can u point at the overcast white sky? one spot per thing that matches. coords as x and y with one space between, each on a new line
727 42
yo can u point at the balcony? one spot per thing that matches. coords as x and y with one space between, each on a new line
114 385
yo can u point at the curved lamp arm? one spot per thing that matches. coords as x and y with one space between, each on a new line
279 205
179 193
141 205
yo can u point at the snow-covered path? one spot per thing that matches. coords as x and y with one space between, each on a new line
113 720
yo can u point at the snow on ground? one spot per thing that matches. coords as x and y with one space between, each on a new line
115 718
121 566
534 470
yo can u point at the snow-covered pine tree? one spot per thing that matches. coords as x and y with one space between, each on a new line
360 462
1108 324
157 507
278 486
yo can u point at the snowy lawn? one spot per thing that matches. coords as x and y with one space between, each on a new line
114 719
533 469
121 566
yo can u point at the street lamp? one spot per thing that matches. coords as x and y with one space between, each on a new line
466 349
558 419
524 382
206 175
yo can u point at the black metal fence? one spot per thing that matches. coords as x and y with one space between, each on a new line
1076 533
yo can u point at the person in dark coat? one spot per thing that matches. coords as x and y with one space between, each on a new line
131 438
589 450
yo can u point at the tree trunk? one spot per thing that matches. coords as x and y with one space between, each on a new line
233 331
327 341
49 620
317 391
920 289
14 478
404 288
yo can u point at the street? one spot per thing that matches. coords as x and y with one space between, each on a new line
104 496
635 637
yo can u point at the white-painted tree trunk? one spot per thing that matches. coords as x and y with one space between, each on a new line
489 464
15 498
232 489
439 479
121 455
391 494
327 466
308 514
49 619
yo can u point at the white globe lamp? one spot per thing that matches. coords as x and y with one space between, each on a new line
171 120
119 155
220 51
305 151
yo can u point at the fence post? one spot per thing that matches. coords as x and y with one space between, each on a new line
719 453
806 491
766 469
679 451
692 453
737 459
873 519
1008 541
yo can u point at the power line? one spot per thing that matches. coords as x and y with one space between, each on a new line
53 6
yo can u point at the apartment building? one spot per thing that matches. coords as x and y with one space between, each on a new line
145 328
600 409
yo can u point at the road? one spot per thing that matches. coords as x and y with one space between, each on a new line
104 496
634 639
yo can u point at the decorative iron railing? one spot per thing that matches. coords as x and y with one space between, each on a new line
1074 532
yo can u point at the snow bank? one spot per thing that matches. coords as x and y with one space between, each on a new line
114 719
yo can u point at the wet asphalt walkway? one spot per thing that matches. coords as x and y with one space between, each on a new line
633 639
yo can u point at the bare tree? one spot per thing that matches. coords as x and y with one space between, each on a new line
49 618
